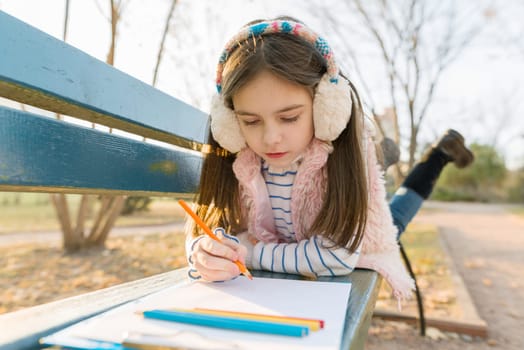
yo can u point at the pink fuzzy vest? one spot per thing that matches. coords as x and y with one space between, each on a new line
380 251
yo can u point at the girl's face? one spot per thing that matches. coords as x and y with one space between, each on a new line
275 117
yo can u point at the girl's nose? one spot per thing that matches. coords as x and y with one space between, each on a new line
272 135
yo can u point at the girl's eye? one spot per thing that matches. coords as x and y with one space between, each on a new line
290 119
250 122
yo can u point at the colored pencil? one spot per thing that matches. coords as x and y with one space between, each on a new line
210 233
231 323
313 324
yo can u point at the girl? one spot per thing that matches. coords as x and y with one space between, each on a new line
293 177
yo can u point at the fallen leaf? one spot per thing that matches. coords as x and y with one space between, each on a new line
442 297
487 282
514 314
474 263
434 334
387 336
466 338
492 342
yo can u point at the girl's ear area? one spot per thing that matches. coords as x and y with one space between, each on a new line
331 108
225 127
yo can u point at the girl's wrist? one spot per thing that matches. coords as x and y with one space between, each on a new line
248 242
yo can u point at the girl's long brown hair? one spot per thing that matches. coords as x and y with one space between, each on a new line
344 211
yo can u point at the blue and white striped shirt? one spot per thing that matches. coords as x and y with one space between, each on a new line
312 257
279 183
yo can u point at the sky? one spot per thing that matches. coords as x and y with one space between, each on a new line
478 94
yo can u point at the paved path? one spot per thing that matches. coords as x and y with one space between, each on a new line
8 239
487 244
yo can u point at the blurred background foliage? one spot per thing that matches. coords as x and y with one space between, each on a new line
486 180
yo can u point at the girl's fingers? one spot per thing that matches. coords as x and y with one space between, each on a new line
221 249
216 276
231 241
242 252
214 260
228 240
213 268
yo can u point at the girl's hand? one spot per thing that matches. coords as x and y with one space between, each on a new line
248 241
214 259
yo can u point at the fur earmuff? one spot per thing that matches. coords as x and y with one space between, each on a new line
331 108
225 127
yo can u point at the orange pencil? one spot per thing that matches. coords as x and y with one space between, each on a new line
210 233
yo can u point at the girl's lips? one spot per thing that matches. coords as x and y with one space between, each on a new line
276 155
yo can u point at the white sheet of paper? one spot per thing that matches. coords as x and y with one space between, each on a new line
310 299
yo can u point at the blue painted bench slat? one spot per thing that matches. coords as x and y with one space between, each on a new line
42 71
46 155
40 154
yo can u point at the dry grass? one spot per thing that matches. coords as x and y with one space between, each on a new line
430 265
34 274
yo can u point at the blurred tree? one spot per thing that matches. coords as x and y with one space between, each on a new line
418 40
414 41
135 204
515 188
482 181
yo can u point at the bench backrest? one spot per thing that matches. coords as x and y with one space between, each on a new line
42 154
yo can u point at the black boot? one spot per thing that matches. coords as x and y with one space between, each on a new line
452 144
449 148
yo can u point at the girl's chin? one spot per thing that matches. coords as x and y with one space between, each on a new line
278 163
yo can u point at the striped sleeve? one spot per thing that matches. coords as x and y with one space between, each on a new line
309 257
192 272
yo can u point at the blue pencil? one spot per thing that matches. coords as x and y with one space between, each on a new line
225 322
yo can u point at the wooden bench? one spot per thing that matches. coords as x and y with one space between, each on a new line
42 154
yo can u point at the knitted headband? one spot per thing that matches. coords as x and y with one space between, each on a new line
332 101
278 26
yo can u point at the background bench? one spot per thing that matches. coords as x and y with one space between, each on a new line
41 154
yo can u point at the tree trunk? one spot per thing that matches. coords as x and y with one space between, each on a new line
71 241
412 146
81 216
106 218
